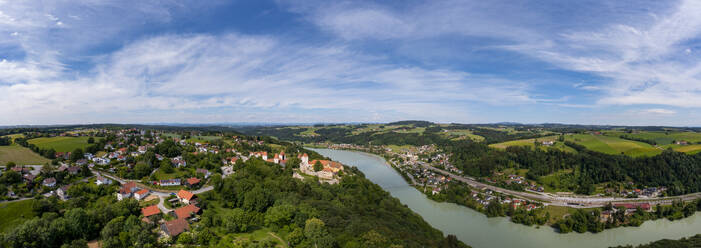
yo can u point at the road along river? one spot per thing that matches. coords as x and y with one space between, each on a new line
475 229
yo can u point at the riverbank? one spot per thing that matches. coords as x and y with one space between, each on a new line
475 229
525 210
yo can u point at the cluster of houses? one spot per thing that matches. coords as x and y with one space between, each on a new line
183 215
648 192
130 189
486 196
630 208
30 174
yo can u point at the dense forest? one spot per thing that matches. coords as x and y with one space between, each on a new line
589 220
354 213
679 172
691 242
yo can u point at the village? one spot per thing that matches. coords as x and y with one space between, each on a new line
163 171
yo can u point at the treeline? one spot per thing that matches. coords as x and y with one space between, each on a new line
691 242
628 137
5 141
353 213
590 220
679 172
92 213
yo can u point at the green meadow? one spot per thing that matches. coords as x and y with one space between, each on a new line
613 145
531 143
61 144
610 142
15 213
20 155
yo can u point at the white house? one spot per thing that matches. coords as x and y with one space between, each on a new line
103 180
141 194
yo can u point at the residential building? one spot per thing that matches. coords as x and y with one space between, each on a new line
49 182
169 182
185 196
141 194
126 190
193 181
62 192
150 211
103 180
186 211
174 227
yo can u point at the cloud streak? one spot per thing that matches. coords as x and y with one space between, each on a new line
233 71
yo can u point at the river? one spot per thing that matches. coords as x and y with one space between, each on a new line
476 230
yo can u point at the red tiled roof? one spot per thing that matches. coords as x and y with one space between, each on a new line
150 210
186 211
126 188
142 192
193 180
184 194
645 206
175 227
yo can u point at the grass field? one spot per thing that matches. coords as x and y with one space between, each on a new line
691 149
14 136
531 143
61 144
203 139
401 149
310 131
662 138
20 155
177 173
558 212
614 145
560 181
15 213
610 142
462 134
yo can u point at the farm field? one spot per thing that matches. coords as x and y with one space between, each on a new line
531 143
609 144
14 136
202 139
463 134
20 155
662 138
15 213
61 144
691 149
613 145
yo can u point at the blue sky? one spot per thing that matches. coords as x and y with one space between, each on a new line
586 62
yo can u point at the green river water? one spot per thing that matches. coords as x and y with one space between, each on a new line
476 230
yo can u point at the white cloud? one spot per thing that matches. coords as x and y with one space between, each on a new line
245 73
353 20
659 111
643 60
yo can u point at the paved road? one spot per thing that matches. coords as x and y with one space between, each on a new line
162 194
573 201
158 192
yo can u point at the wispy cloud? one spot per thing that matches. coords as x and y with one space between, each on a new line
95 61
190 72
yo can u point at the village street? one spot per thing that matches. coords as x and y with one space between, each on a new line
162 194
